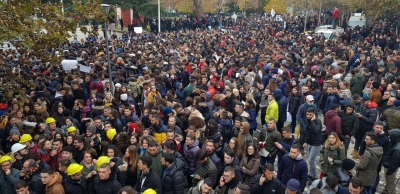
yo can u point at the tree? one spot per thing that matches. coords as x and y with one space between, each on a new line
279 6
198 8
33 26
245 5
186 6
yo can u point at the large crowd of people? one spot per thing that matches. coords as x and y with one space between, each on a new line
228 109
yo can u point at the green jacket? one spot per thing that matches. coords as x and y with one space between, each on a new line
197 189
156 165
272 137
369 162
7 181
206 170
356 84
337 154
392 118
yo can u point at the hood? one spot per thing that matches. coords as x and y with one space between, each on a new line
376 149
208 96
202 104
359 76
177 85
56 180
372 105
331 114
97 107
178 165
196 143
133 84
394 135
278 94
96 81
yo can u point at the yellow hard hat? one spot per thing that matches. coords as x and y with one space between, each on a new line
25 138
6 158
71 129
149 191
74 168
102 160
111 133
50 120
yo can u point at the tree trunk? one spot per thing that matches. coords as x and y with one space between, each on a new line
197 8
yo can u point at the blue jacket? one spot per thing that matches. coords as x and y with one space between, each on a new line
282 86
330 101
293 168
252 118
117 124
286 145
282 103
179 93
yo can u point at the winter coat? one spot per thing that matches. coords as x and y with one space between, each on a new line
314 129
293 168
206 170
252 118
391 160
356 84
272 186
109 186
366 169
160 132
392 118
173 180
272 137
282 103
55 186
179 93
156 165
228 188
152 181
332 99
344 176
376 95
7 181
197 189
251 168
282 87
272 111
369 114
337 154
294 104
189 152
301 116
209 101
74 187
324 189
286 145
332 122
349 122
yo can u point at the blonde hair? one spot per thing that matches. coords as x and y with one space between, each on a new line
338 144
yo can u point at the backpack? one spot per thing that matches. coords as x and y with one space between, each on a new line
3 121
98 86
135 88
319 186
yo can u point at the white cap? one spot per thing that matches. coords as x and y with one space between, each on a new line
124 97
310 98
118 85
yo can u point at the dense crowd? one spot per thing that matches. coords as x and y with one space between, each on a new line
181 111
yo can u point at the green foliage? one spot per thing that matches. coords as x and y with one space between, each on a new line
232 7
150 10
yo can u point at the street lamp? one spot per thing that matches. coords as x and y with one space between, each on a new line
106 9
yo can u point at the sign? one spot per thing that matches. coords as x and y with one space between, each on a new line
138 30
272 12
69 64
278 18
84 68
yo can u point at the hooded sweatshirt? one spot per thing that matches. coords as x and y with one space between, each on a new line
366 169
55 186
332 122
293 168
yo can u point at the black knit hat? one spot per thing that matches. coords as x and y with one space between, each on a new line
348 164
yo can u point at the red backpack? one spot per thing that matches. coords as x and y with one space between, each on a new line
98 86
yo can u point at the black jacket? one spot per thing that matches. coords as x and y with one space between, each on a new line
391 159
273 186
174 180
294 104
152 180
314 130
349 122
109 186
344 176
74 187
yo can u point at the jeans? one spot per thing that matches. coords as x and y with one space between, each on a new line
334 21
279 126
346 142
313 152
375 186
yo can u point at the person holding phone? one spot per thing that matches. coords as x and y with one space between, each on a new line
266 182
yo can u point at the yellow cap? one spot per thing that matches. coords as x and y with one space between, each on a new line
102 160
50 120
111 133
149 191
71 129
25 138
6 158
74 168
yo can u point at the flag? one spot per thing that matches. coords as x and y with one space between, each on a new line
272 12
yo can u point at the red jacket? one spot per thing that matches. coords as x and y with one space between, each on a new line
336 13
332 122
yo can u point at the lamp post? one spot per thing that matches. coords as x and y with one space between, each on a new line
106 9
159 17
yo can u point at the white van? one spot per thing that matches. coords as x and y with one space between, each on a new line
329 33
